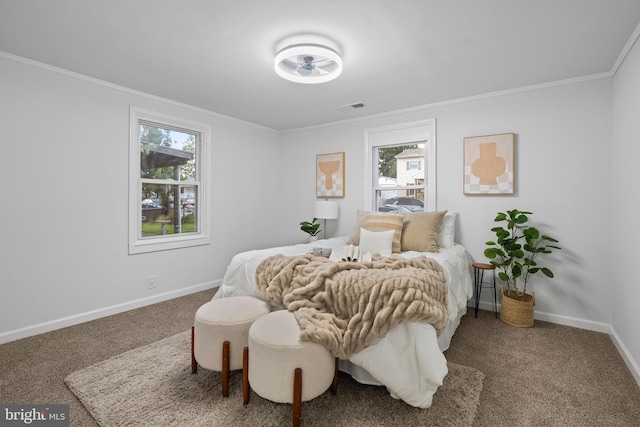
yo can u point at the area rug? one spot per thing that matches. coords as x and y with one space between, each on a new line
153 386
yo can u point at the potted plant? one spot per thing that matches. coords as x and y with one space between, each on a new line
312 228
515 255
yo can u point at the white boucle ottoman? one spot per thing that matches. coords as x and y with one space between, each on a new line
220 334
284 369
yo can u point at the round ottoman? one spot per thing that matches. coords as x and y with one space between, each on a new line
220 334
284 369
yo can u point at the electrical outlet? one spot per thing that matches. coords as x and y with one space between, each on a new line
151 282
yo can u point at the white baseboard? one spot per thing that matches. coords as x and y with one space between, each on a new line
628 359
575 322
555 318
102 312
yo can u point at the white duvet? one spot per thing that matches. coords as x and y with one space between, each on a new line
408 361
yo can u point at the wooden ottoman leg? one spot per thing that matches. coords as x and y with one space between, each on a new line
245 376
225 369
194 364
334 385
297 397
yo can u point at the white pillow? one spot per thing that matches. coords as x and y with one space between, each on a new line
376 242
447 232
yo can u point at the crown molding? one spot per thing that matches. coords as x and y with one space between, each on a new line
505 92
120 88
625 50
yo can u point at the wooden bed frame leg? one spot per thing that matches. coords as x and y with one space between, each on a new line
297 397
334 385
245 376
225 369
194 364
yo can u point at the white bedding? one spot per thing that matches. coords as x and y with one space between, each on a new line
409 359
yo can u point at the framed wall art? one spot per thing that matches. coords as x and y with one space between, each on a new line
330 175
489 164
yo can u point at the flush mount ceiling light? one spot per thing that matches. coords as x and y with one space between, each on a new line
308 63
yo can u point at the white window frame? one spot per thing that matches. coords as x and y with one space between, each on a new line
137 244
423 131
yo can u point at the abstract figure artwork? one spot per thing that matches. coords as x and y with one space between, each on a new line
330 175
488 164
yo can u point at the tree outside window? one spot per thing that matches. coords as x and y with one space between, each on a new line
168 190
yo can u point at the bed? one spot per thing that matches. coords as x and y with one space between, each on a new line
409 359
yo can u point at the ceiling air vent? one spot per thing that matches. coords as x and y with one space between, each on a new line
354 106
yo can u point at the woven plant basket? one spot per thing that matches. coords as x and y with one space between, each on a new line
517 312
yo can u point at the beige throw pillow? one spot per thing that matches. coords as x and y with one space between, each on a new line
420 231
383 222
354 237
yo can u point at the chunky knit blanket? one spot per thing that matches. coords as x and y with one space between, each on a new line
347 306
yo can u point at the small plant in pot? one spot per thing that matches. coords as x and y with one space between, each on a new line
515 255
312 228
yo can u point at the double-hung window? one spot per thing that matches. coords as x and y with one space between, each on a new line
168 170
396 179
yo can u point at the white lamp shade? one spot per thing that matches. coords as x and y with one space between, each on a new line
326 209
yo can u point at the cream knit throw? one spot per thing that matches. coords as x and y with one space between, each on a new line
347 306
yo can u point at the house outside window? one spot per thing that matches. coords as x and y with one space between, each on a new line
410 172
168 170
395 157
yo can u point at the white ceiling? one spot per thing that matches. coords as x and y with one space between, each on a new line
218 54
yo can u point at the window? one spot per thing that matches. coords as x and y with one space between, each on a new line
397 182
167 176
414 164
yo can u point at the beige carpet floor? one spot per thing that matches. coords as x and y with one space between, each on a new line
153 386
549 375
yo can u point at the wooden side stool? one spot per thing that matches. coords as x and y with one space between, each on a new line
478 280
220 333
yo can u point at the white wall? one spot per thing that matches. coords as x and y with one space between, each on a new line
64 168
625 205
563 160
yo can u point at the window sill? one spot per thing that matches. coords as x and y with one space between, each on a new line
167 243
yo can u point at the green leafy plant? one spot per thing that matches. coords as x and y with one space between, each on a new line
516 249
313 227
